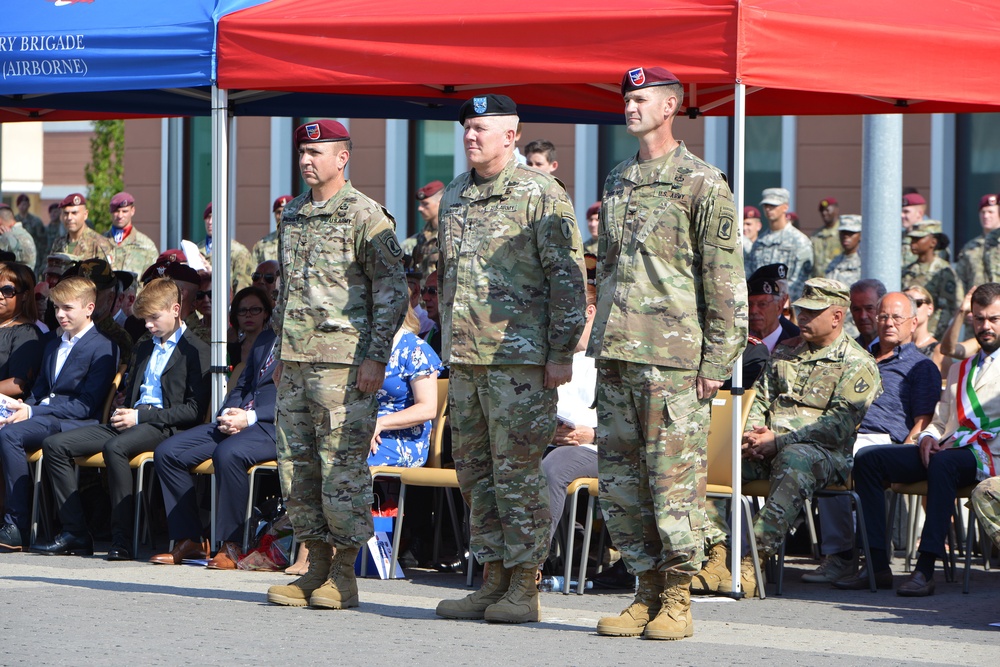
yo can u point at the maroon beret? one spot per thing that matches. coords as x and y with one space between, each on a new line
792 216
320 131
119 200
54 205
280 202
172 255
913 199
22 197
751 212
75 199
828 201
208 211
594 208
988 200
429 190
644 77
174 270
5 205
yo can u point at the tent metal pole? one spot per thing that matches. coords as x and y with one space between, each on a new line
881 188
736 525
220 244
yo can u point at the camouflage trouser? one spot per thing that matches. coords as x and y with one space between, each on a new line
502 419
986 502
652 436
328 425
795 474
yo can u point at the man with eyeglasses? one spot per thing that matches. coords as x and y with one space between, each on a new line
809 403
267 277
910 389
957 449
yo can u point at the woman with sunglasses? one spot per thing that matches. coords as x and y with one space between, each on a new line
20 338
925 341
249 315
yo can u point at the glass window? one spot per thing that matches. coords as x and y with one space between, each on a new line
763 157
977 167
199 182
614 145
433 158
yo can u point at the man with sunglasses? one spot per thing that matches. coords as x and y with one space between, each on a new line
267 277
910 389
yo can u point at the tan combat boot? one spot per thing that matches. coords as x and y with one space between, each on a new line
674 620
714 576
748 582
296 594
644 607
340 590
520 603
473 606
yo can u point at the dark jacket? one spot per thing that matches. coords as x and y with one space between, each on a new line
256 383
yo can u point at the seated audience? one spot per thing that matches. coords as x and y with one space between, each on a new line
168 390
950 346
76 373
407 401
242 436
986 502
767 292
924 340
809 402
911 385
955 450
267 278
864 304
20 339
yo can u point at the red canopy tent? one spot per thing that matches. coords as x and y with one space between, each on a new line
795 58
736 57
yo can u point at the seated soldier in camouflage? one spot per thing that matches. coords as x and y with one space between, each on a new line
986 502
810 400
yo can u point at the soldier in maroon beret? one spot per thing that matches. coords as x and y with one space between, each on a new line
593 219
80 240
267 248
970 264
423 246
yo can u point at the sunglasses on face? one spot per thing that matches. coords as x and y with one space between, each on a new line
921 302
9 291
432 291
269 278
252 310
201 294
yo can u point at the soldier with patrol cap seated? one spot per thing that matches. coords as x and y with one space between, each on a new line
343 296
809 403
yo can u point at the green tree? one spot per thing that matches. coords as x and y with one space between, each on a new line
105 173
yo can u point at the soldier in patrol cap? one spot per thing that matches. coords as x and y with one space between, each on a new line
671 320
846 267
826 241
809 403
343 296
513 302
782 242
81 240
933 274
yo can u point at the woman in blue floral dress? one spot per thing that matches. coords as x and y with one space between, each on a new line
407 401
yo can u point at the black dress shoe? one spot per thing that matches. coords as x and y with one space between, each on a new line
67 544
119 552
917 586
859 580
10 538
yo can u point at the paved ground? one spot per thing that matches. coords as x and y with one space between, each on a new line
85 611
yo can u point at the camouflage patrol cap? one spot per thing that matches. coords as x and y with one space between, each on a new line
821 293
487 105
850 223
924 228
645 77
58 263
775 197
765 279
96 270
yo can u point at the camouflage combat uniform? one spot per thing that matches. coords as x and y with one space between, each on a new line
813 400
826 247
117 335
671 306
991 258
789 247
90 244
19 242
512 300
265 249
34 226
240 261
846 269
969 263
938 278
986 501
343 298
136 253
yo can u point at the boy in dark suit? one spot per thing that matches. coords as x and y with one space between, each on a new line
242 436
77 369
168 390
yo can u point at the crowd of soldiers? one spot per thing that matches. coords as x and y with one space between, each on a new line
674 311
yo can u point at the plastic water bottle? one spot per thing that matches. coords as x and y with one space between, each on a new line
555 583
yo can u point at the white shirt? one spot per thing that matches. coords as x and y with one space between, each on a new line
151 390
577 396
772 338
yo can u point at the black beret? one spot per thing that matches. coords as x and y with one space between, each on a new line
487 105
765 279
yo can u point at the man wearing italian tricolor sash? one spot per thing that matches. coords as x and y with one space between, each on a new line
960 448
